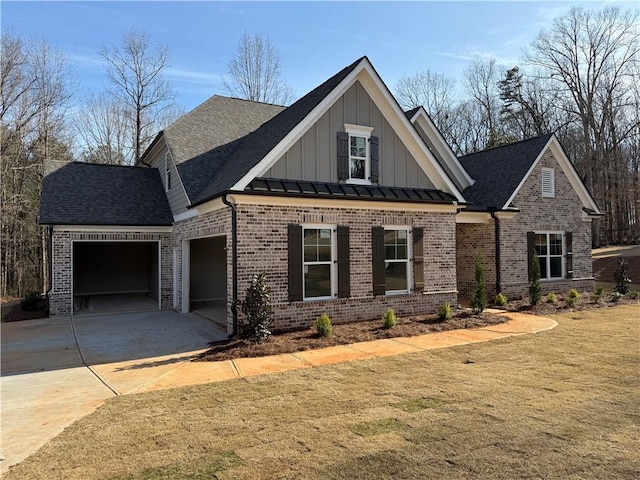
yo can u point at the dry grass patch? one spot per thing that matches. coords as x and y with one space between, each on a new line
560 404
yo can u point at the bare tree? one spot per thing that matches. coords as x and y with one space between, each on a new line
37 85
481 83
255 72
434 92
134 70
105 133
592 59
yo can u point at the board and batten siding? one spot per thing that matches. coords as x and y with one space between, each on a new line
314 156
176 196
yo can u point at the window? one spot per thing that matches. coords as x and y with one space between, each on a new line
548 182
318 262
167 171
359 154
549 248
396 260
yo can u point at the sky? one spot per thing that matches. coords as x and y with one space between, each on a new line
315 39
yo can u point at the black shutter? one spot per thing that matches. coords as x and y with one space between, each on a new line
343 156
568 240
375 160
418 259
344 280
377 255
295 262
531 248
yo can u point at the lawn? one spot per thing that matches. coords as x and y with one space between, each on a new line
560 404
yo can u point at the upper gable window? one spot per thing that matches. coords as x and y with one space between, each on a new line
548 182
359 154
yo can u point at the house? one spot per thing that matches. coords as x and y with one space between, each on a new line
347 203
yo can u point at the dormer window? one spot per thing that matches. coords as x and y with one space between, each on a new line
548 182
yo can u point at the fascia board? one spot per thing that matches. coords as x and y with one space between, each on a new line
454 163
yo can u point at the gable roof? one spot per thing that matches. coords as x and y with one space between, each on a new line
92 194
499 171
255 146
257 152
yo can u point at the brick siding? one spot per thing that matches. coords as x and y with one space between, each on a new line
561 213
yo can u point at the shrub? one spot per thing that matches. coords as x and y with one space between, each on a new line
257 309
323 325
615 296
501 300
633 295
572 298
621 277
390 318
30 301
444 312
552 297
598 295
535 291
479 299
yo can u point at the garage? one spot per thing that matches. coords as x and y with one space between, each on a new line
207 279
112 276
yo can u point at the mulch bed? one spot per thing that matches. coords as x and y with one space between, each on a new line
585 302
344 334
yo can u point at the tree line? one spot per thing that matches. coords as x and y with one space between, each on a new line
579 79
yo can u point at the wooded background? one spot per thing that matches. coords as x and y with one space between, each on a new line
580 79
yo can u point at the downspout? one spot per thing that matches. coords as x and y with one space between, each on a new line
234 263
496 224
49 263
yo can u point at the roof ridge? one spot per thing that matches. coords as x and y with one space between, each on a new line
80 162
507 145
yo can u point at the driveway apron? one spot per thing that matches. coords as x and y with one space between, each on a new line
49 381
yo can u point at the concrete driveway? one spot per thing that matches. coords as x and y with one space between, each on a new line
49 380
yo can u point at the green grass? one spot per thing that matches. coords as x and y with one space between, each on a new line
559 404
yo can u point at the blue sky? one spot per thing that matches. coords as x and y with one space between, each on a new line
315 39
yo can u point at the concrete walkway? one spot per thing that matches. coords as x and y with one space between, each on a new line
38 405
197 373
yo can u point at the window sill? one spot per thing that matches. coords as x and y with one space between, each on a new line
356 181
318 299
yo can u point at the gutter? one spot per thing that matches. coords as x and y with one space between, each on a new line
234 262
496 223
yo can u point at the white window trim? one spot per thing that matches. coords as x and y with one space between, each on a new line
408 261
549 256
333 262
167 171
360 131
552 173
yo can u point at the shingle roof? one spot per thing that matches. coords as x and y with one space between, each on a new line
364 192
202 139
91 194
498 171
233 165
410 113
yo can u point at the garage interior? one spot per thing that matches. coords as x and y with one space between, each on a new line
115 277
208 278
